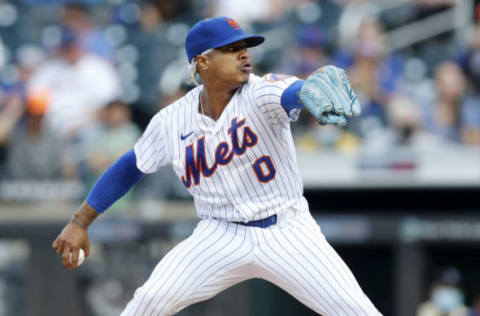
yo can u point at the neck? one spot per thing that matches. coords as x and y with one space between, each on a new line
215 100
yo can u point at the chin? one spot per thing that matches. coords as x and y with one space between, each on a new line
239 80
245 78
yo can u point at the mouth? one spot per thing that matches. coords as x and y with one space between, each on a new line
247 67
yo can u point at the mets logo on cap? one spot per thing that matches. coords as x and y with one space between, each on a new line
233 24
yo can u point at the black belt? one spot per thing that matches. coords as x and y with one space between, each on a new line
263 223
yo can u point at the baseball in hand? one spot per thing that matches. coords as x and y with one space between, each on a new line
81 257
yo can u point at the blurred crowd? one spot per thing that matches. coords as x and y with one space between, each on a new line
447 298
79 80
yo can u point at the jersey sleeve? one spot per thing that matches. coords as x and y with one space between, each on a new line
268 92
151 150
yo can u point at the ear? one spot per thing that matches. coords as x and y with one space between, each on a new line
202 62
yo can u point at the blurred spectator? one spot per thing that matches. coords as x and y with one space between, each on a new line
469 59
76 16
405 119
150 17
444 301
28 58
12 95
374 75
12 111
352 17
311 52
116 135
453 114
2 54
169 10
34 151
78 84
158 44
247 12
470 133
446 297
314 136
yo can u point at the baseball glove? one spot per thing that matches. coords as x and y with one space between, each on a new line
328 95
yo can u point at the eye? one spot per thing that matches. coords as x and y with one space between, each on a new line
233 49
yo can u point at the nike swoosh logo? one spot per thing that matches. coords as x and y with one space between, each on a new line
185 137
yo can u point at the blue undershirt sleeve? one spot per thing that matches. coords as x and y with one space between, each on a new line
289 99
115 182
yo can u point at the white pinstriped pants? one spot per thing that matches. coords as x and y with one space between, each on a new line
293 254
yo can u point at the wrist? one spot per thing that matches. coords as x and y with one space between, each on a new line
84 216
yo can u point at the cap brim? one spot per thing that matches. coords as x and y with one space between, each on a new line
251 40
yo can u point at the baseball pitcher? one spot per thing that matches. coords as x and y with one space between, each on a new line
229 142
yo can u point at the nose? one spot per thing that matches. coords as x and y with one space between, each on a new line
243 54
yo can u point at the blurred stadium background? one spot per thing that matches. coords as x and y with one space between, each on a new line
396 192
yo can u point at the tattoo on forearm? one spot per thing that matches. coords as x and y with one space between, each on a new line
84 216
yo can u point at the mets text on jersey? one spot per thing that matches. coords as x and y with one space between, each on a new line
224 153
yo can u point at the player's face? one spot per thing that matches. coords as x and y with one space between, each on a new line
231 64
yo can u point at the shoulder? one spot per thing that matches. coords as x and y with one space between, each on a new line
275 80
271 77
272 84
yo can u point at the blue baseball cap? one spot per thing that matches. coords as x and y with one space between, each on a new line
215 33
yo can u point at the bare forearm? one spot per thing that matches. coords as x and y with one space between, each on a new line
85 215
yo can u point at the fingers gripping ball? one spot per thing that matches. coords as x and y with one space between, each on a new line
328 95
81 257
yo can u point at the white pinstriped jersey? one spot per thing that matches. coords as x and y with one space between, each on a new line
241 167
